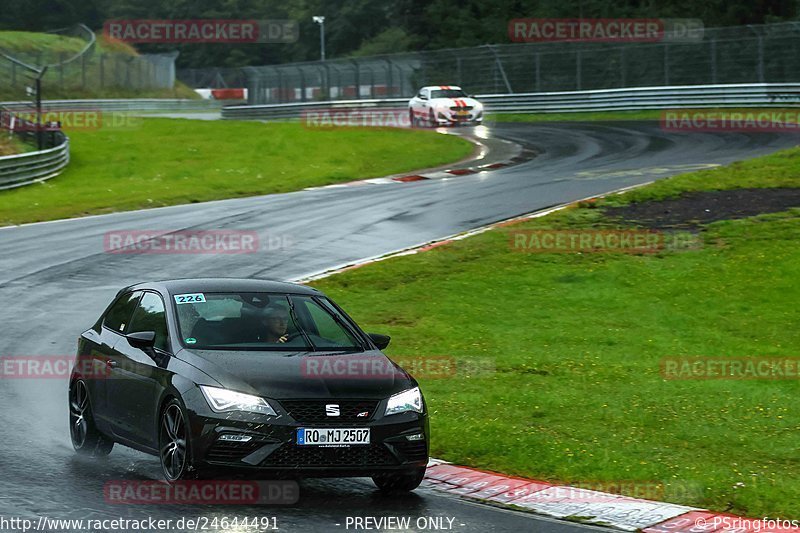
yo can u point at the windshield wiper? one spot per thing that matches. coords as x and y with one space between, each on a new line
299 327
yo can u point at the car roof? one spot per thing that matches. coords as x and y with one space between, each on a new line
452 87
190 285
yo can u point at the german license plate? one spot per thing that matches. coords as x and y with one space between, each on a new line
462 114
332 436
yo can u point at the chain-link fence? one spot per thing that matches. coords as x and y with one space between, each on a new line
742 54
92 72
87 67
213 78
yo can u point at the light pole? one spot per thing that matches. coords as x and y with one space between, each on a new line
321 22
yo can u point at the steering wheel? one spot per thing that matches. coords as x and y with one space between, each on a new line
292 336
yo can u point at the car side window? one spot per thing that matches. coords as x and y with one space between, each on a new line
423 94
118 317
150 315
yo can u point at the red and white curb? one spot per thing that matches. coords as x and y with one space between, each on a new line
588 506
522 156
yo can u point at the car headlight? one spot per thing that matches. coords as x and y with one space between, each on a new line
224 400
410 400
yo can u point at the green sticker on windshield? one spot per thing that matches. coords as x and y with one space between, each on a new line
191 340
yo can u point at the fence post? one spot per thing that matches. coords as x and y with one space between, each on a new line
538 72
713 45
390 80
83 71
666 64
761 59
61 69
578 69
622 66
102 71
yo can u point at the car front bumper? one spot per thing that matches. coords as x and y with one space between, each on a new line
269 444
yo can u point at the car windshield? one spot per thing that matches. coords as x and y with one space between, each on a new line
262 321
448 93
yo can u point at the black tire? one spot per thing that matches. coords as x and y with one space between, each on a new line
432 119
399 482
412 120
85 437
174 443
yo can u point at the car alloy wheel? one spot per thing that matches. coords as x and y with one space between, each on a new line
172 442
85 437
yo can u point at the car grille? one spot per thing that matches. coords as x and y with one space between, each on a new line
231 452
313 411
462 108
292 455
412 451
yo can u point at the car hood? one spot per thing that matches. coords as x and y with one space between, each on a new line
302 375
455 102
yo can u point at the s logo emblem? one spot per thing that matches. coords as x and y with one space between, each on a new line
332 409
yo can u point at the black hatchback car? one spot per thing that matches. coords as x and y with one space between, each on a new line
256 376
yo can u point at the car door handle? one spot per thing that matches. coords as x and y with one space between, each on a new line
111 363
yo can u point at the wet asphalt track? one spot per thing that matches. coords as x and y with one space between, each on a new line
55 279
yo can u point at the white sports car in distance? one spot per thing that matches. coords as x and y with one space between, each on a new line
447 105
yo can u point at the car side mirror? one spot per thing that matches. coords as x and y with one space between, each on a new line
381 341
142 339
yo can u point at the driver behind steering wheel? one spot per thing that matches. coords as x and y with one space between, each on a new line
273 324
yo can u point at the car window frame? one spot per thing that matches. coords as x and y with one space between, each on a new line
322 301
169 350
115 302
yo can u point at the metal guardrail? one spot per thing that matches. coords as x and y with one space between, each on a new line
33 167
136 104
632 99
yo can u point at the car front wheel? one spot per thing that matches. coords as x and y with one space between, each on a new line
399 482
173 443
86 438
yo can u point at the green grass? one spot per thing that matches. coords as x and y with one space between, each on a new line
577 341
12 145
653 114
165 162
